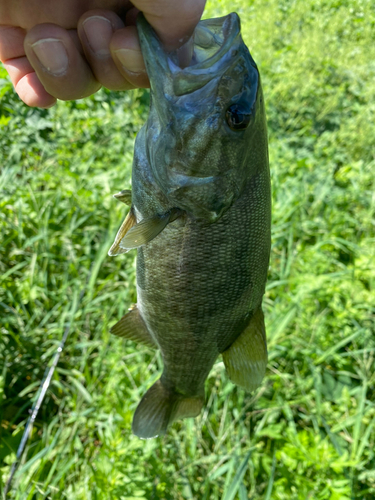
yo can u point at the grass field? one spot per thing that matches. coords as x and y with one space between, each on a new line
309 431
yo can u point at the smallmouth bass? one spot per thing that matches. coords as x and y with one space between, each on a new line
200 218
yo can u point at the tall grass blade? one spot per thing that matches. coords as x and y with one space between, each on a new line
237 480
42 392
272 477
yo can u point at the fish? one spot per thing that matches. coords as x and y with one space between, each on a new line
200 219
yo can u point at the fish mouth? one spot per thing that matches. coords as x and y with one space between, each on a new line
215 47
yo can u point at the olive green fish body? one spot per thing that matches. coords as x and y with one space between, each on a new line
198 283
200 219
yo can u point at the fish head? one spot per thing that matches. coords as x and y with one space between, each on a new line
204 120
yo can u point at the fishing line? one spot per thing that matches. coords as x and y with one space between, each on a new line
42 392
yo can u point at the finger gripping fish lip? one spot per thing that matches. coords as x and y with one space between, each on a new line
217 43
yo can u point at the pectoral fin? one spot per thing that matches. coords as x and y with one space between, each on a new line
132 327
128 223
147 229
125 196
246 359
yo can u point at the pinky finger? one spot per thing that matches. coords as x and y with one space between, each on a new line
22 74
27 84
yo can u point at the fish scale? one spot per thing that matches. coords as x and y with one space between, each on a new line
200 218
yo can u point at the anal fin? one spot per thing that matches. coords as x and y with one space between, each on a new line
132 327
128 223
246 359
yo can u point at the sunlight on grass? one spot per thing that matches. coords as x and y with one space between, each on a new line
309 431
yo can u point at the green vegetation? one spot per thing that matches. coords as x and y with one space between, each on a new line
309 431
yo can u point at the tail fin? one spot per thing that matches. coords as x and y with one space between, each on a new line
160 407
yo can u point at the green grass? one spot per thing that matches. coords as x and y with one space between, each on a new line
309 431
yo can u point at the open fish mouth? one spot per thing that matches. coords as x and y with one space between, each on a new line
195 156
215 47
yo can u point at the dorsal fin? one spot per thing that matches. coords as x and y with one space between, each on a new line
246 359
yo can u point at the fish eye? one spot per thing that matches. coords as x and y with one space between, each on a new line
237 117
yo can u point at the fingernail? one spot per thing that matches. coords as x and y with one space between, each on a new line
131 60
99 32
52 55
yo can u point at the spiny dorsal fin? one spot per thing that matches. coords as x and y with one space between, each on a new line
125 196
128 223
132 327
246 359
148 229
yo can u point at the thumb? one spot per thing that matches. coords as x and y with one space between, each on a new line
174 21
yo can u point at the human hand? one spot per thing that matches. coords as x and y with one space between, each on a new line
68 50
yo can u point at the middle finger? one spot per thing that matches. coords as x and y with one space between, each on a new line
96 29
